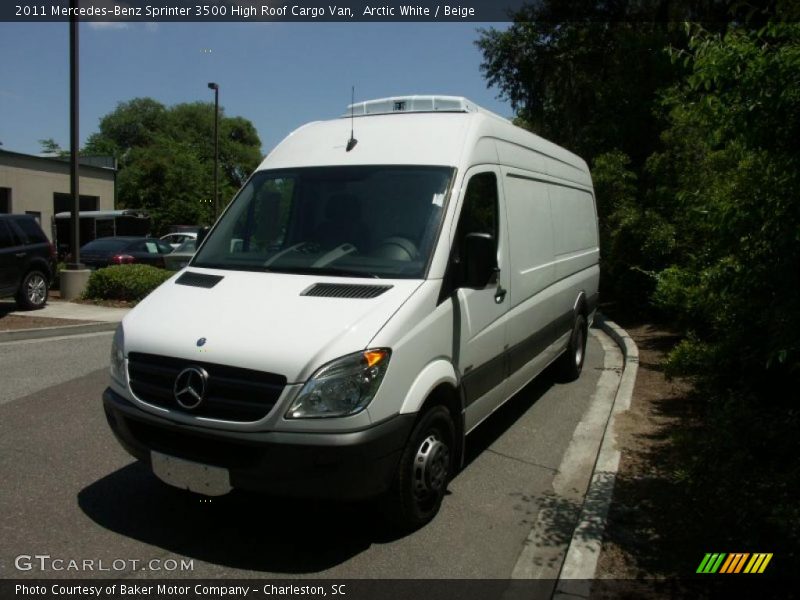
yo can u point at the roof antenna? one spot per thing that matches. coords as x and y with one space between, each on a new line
351 143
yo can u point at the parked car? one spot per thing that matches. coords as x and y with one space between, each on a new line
27 261
107 251
95 224
176 239
180 257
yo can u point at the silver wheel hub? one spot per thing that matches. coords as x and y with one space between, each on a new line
431 465
36 289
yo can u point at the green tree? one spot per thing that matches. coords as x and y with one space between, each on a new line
133 124
50 146
166 158
589 80
588 84
731 150
589 76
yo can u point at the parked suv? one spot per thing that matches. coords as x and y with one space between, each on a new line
27 261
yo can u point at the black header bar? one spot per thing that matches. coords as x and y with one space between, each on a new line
358 10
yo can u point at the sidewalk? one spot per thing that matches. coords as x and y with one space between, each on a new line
61 309
58 318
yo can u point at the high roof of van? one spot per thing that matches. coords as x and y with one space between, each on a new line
423 130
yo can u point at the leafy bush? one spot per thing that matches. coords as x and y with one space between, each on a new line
732 139
635 237
124 282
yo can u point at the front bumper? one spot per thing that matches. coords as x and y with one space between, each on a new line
352 465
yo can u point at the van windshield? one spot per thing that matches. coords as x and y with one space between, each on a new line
364 221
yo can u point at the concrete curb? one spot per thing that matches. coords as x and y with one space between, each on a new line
580 564
543 553
39 333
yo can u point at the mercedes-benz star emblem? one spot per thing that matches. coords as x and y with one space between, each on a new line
190 387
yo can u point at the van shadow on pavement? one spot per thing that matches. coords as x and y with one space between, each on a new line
239 530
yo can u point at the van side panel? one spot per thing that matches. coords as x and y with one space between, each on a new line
575 230
528 152
538 318
531 236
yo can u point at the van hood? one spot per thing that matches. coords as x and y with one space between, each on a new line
262 321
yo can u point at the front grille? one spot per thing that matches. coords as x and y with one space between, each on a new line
345 290
232 393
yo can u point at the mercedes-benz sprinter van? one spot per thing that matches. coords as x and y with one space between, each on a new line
381 284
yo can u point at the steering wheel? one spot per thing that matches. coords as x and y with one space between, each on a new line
396 248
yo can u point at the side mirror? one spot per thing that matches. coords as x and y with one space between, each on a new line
480 260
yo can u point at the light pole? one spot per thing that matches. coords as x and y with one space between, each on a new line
74 140
215 87
74 278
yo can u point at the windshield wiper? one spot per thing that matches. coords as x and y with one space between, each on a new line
323 271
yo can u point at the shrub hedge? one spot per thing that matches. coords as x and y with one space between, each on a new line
125 282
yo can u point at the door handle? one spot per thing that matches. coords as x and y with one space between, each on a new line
500 295
21 254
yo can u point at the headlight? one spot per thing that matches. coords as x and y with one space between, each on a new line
118 355
343 387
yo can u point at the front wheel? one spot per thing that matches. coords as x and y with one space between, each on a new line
33 291
571 362
423 472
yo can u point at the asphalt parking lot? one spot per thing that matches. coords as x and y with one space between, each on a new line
71 492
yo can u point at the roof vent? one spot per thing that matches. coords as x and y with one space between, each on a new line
409 104
345 290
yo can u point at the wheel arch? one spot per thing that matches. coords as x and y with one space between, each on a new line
437 385
581 305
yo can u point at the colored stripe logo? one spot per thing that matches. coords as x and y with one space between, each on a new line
737 562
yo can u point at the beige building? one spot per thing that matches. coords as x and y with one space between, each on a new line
41 186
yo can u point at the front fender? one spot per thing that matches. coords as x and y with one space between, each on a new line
434 374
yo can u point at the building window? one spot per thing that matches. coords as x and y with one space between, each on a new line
5 200
63 203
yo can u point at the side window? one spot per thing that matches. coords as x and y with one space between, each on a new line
31 231
6 239
153 247
479 213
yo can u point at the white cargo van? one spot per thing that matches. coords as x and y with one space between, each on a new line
364 302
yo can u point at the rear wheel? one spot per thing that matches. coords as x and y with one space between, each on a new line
570 364
424 471
32 293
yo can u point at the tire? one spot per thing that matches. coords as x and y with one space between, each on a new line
570 364
424 470
33 291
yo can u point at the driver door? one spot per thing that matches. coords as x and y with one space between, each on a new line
480 320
